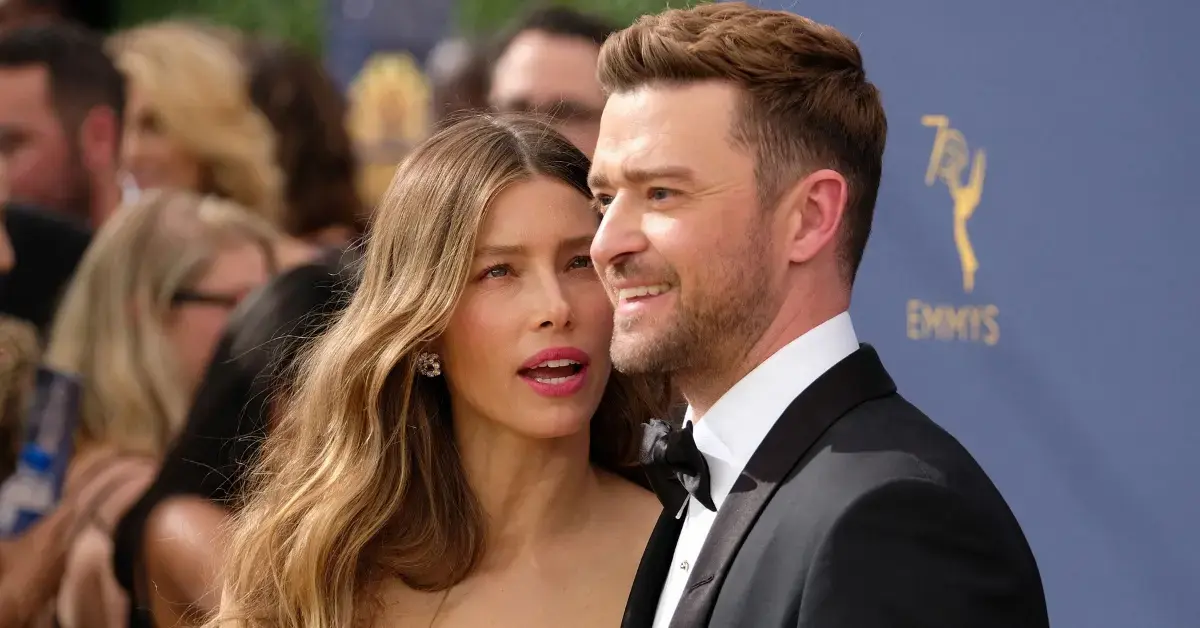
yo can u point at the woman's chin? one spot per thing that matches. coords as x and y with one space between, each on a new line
551 423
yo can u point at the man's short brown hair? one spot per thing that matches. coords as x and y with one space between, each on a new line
808 104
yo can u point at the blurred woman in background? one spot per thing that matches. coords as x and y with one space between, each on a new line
166 539
320 168
189 122
138 325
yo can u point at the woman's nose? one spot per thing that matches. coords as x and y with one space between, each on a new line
556 307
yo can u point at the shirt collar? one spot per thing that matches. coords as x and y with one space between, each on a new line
731 431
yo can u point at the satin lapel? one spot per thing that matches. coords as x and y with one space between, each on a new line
858 378
652 571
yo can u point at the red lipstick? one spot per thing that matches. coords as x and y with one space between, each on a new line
557 372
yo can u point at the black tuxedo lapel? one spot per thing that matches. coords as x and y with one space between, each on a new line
858 378
652 570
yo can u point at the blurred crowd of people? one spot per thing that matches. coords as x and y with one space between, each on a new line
181 203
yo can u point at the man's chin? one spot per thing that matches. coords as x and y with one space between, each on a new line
639 353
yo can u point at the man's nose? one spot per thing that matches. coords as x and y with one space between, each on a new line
620 235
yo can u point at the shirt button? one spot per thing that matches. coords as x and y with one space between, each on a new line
684 565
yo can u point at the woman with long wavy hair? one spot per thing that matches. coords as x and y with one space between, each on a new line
451 450
138 326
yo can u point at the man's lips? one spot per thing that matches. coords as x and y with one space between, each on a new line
631 293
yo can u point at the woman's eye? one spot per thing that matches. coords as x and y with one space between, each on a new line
495 272
583 261
660 194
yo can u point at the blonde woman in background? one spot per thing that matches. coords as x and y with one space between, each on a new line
190 122
138 325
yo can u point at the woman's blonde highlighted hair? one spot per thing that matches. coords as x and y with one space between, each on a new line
110 327
361 480
194 79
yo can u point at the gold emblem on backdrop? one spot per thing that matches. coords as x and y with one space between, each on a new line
389 113
961 173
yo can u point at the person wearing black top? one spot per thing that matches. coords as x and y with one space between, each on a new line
46 249
232 409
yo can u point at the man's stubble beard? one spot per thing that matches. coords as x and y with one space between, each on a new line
712 326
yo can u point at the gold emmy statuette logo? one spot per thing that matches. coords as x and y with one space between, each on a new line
389 113
948 163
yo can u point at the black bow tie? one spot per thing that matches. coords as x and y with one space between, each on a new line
674 450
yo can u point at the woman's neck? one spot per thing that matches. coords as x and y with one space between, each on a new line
531 490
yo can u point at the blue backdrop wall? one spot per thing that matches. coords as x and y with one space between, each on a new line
357 29
1032 279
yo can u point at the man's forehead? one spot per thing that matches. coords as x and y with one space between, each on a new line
659 126
536 48
24 86
544 69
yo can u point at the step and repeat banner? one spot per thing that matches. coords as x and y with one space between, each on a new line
1030 282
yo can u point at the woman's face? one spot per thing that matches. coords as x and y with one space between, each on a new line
201 310
527 346
150 155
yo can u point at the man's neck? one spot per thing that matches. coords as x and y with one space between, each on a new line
105 198
800 314
531 489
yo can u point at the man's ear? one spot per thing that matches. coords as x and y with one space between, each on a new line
813 211
99 137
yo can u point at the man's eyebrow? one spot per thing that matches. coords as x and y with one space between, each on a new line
644 175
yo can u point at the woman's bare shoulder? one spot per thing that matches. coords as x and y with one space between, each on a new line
636 507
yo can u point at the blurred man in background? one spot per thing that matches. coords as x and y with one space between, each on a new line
95 14
458 75
61 101
547 65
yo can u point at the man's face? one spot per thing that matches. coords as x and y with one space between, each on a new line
684 249
18 13
555 75
43 167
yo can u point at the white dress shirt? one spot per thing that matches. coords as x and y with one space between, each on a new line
733 428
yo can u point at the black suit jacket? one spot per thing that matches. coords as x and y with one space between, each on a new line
856 511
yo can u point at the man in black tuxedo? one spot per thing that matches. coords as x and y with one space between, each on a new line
737 168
